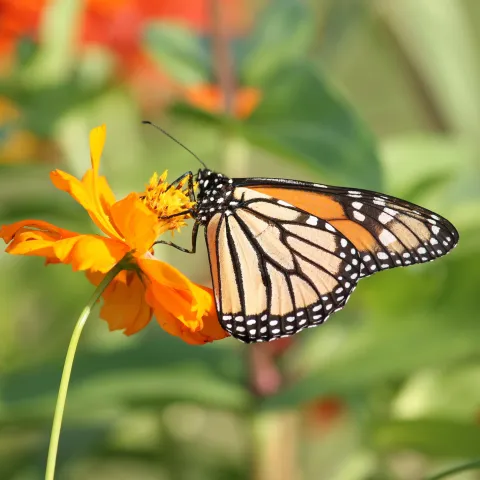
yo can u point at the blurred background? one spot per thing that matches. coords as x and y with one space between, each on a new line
375 94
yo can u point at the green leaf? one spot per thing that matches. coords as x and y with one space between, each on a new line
179 52
302 117
431 436
282 34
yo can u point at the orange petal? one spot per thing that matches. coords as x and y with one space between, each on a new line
35 243
92 192
182 308
7 232
85 194
138 225
33 237
97 142
210 332
124 306
107 197
163 273
43 239
90 252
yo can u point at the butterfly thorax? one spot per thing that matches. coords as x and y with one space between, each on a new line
214 195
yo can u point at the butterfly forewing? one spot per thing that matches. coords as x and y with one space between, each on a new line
388 232
277 270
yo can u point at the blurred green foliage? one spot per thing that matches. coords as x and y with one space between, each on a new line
381 95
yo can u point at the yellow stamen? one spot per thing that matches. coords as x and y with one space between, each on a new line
166 200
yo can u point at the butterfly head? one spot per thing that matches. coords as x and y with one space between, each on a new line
214 194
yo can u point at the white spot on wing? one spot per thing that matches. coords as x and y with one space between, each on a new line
390 211
384 218
358 216
386 237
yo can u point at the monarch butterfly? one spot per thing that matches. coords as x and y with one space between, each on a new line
286 254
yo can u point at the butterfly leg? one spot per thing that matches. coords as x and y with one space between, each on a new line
190 211
191 190
182 249
191 193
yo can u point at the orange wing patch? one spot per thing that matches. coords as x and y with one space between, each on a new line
318 204
327 208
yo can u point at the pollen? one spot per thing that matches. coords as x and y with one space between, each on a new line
171 202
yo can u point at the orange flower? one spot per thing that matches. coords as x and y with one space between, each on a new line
118 23
131 226
212 99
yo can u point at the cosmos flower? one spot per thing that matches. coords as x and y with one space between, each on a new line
130 227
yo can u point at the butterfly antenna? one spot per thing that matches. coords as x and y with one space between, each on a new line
148 122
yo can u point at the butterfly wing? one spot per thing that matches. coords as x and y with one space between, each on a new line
276 269
387 232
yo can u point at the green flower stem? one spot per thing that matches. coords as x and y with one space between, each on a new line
461 468
67 369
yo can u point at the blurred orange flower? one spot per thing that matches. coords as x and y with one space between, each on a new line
131 226
323 413
119 26
117 23
17 19
212 99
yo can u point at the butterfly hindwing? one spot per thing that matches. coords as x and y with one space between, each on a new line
277 270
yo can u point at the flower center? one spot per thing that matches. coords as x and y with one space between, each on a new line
166 200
